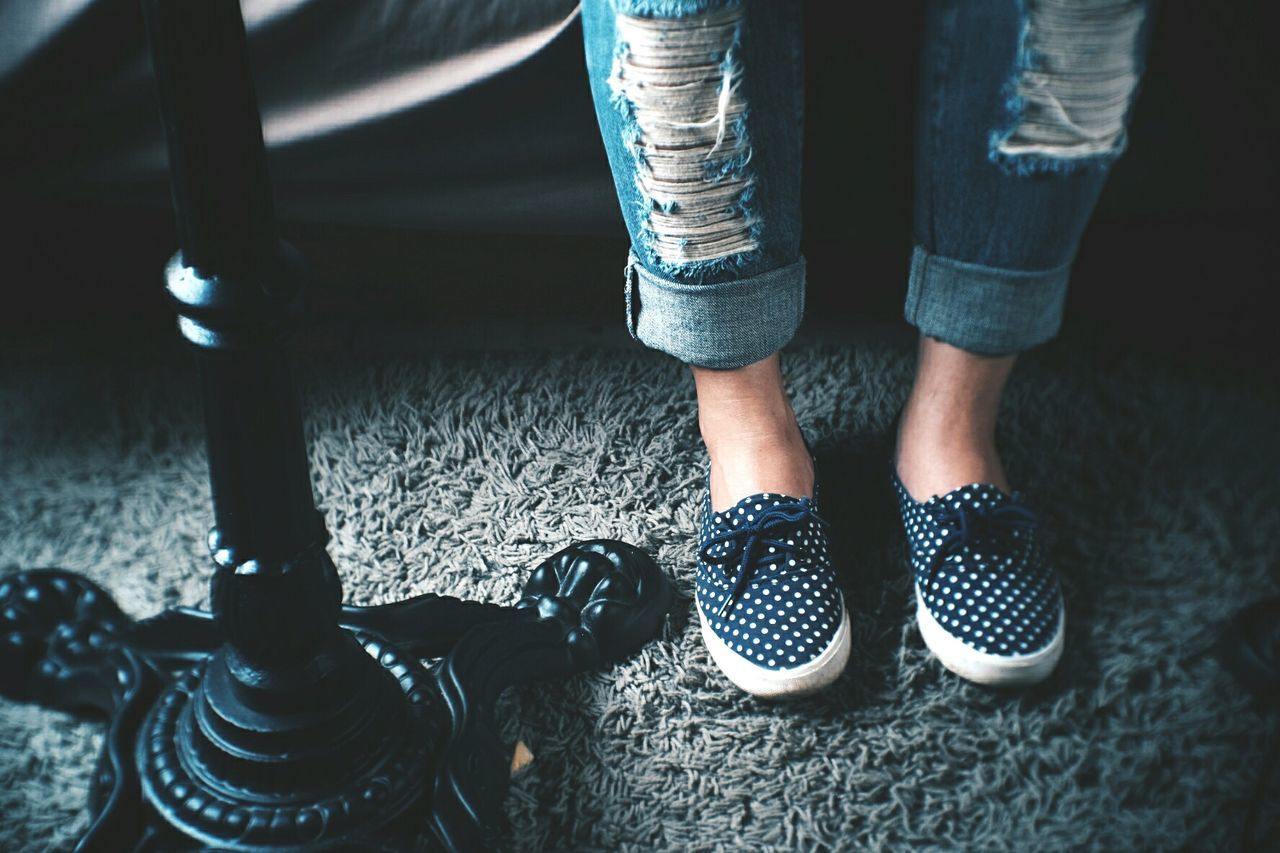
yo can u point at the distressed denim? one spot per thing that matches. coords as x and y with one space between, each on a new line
700 105
1023 107
1022 110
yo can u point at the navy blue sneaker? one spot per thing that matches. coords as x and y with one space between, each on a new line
772 614
987 601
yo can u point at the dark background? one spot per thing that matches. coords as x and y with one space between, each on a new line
1180 258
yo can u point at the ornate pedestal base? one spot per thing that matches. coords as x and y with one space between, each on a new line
283 720
377 753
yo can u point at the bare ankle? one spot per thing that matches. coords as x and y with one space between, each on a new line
930 467
740 470
751 433
744 406
946 437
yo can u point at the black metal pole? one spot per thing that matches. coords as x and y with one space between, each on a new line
217 166
233 285
290 734
232 282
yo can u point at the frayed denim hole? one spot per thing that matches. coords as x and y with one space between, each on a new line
1052 128
685 123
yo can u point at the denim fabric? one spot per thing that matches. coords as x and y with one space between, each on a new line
718 324
1023 107
995 234
715 276
984 309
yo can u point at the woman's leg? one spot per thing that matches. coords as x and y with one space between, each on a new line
700 108
1023 109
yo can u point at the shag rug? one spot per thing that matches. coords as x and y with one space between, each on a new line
456 472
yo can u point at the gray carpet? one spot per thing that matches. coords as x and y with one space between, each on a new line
456 472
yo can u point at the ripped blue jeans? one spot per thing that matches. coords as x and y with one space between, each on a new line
1023 107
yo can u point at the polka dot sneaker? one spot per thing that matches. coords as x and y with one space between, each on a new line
987 601
772 615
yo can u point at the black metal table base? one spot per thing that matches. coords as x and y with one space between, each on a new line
282 719
427 765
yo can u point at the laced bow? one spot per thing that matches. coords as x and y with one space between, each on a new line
972 522
745 540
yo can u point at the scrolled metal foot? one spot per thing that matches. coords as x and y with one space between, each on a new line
57 632
165 777
590 604
426 625
61 645
610 595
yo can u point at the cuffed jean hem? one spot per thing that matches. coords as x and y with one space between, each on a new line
722 325
984 310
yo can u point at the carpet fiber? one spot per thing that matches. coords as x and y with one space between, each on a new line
456 472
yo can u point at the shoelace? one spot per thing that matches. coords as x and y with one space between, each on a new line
742 541
972 522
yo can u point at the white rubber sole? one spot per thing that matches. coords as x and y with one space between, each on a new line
781 683
982 668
